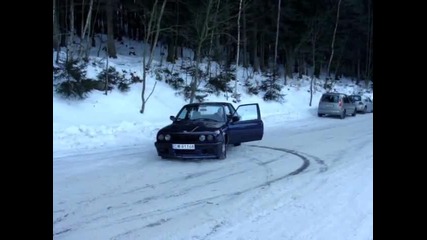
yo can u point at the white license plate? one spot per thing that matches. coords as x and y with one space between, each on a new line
183 146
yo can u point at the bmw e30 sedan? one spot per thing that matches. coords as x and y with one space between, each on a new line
203 130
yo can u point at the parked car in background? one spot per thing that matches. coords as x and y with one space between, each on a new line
363 104
336 104
203 130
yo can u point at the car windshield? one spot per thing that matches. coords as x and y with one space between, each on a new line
202 112
356 98
330 98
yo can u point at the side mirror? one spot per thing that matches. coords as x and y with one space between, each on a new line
172 118
235 118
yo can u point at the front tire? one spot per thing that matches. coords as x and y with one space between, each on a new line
223 151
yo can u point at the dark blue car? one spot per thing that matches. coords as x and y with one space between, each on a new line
203 130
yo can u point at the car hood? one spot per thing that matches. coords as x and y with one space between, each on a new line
192 126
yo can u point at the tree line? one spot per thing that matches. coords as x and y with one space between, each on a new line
307 37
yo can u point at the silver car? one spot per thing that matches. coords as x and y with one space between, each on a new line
363 104
337 104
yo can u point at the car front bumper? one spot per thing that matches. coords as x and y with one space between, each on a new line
202 150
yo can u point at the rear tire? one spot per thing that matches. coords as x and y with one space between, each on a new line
320 115
354 113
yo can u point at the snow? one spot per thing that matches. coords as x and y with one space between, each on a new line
312 178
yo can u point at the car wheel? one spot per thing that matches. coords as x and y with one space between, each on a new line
354 113
237 144
320 115
223 154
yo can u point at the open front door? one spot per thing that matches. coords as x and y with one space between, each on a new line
249 126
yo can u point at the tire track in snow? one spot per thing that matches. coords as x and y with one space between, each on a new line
160 212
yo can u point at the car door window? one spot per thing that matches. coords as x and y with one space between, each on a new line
346 100
248 112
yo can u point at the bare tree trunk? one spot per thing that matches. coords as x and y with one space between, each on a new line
211 40
122 25
358 67
245 39
369 46
56 32
262 52
171 50
290 62
156 37
107 75
176 54
92 29
55 28
255 49
85 43
314 69
173 41
333 42
339 58
315 32
71 37
144 79
150 24
110 30
300 65
54 11
203 35
305 67
144 57
82 22
238 48
275 70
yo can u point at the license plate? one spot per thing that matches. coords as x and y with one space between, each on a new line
183 146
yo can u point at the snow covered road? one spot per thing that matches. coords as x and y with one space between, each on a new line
311 179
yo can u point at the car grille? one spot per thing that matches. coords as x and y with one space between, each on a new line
185 138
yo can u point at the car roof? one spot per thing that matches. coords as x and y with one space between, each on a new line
208 103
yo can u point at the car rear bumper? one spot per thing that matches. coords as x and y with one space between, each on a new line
360 107
204 150
329 111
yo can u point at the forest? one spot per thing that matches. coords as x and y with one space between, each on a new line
304 37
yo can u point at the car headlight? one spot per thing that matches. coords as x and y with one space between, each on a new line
167 137
210 137
202 138
160 137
